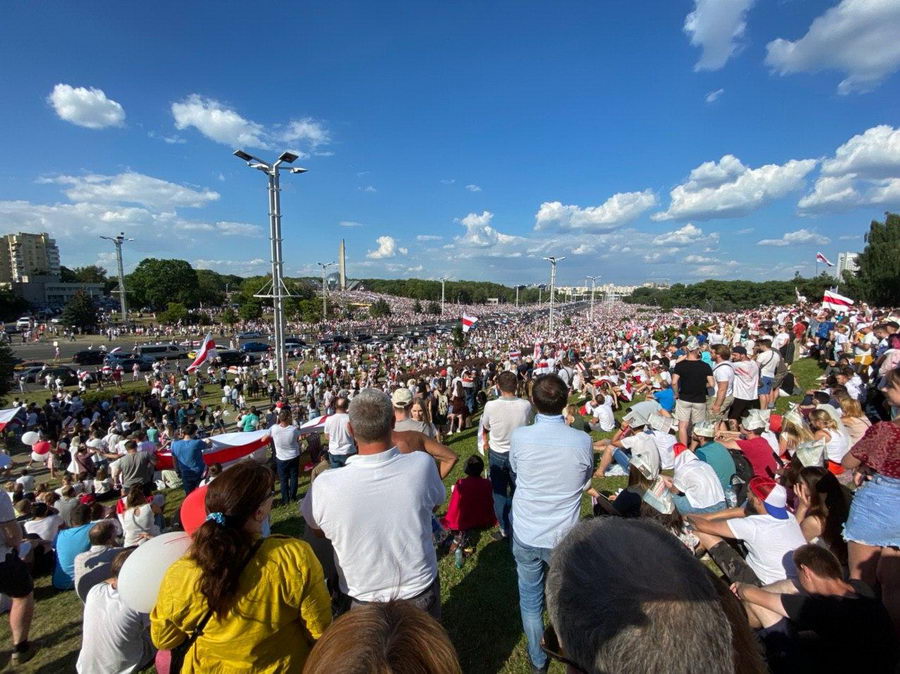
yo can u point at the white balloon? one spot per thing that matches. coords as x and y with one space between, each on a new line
30 438
143 571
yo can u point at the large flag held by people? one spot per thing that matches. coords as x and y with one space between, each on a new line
824 260
207 350
468 322
832 300
7 416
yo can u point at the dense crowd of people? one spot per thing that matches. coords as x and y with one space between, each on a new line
744 540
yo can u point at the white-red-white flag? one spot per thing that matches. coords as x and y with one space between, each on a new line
515 354
207 350
824 260
538 351
6 416
832 300
468 322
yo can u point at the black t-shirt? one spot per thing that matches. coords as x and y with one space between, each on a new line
853 633
692 380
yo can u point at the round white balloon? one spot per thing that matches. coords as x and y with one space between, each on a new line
30 438
143 571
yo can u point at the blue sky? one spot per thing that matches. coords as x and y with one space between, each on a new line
676 139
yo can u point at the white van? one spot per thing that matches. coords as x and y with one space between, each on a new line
24 323
161 351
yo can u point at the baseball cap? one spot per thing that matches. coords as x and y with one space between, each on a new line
773 496
739 349
402 397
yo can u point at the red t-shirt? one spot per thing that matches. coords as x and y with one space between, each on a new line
879 449
759 453
471 505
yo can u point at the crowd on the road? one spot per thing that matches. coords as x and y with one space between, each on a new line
798 512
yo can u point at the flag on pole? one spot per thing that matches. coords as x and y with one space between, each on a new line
515 354
832 300
207 349
468 322
824 260
6 416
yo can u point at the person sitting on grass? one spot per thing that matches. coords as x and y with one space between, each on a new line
830 612
115 637
471 504
69 543
695 486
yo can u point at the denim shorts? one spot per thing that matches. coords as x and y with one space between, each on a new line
875 513
765 385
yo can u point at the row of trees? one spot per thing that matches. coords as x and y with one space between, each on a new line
467 292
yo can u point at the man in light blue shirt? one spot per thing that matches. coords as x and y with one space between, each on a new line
553 464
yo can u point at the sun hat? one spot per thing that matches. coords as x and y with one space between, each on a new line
756 420
402 397
773 496
705 429
692 344
811 453
660 423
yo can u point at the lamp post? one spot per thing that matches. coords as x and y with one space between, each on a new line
553 260
117 242
443 281
593 280
277 291
517 296
324 266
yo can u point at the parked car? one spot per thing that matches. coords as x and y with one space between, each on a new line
253 334
28 364
88 357
234 357
145 363
30 374
293 342
67 374
254 347
362 337
162 351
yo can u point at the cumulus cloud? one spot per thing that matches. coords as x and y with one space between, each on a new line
618 210
717 26
480 233
387 248
713 96
797 238
132 187
855 37
222 124
688 235
874 153
227 228
428 237
473 188
368 188
239 267
87 107
728 189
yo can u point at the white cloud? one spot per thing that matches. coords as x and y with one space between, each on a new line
856 37
688 235
717 26
387 247
132 187
745 230
85 107
713 96
350 223
239 267
728 189
872 154
473 188
698 259
171 140
799 237
448 181
481 235
368 188
428 237
224 125
226 228
618 210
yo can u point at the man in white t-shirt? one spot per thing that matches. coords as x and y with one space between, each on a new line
768 360
770 536
745 385
340 442
499 419
377 513
602 412
723 373
695 486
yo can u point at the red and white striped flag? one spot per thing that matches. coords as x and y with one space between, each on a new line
538 350
626 391
515 354
7 416
207 349
824 260
468 322
832 300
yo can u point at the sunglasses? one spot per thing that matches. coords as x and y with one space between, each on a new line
550 646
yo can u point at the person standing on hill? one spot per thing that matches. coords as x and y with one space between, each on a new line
691 379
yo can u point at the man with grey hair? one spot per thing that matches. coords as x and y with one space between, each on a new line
376 511
615 608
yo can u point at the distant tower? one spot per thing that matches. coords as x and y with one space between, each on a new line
342 265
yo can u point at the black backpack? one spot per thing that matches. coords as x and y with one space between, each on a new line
743 473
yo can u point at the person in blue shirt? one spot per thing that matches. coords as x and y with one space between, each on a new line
188 455
70 542
553 464
665 397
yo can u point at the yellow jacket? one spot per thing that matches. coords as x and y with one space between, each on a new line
282 608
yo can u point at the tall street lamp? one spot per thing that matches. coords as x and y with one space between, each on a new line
276 290
593 280
117 242
443 281
325 266
553 260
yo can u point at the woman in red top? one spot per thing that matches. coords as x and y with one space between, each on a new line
872 531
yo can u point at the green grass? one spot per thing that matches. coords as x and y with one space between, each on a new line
480 601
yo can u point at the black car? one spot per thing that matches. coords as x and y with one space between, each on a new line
145 363
233 357
66 374
88 357
362 337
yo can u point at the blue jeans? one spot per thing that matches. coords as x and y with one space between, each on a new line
288 471
503 481
190 481
531 568
338 460
684 506
622 458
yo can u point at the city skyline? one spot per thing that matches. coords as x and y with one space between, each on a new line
467 140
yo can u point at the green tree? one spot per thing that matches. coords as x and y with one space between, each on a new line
459 337
229 316
210 287
175 312
877 280
6 369
379 309
250 309
90 274
11 305
156 282
80 312
433 308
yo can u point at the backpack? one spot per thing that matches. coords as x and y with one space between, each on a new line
743 473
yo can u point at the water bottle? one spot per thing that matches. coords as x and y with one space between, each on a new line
458 557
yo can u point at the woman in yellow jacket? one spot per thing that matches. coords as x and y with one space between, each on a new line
264 600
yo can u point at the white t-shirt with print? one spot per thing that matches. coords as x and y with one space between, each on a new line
770 544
